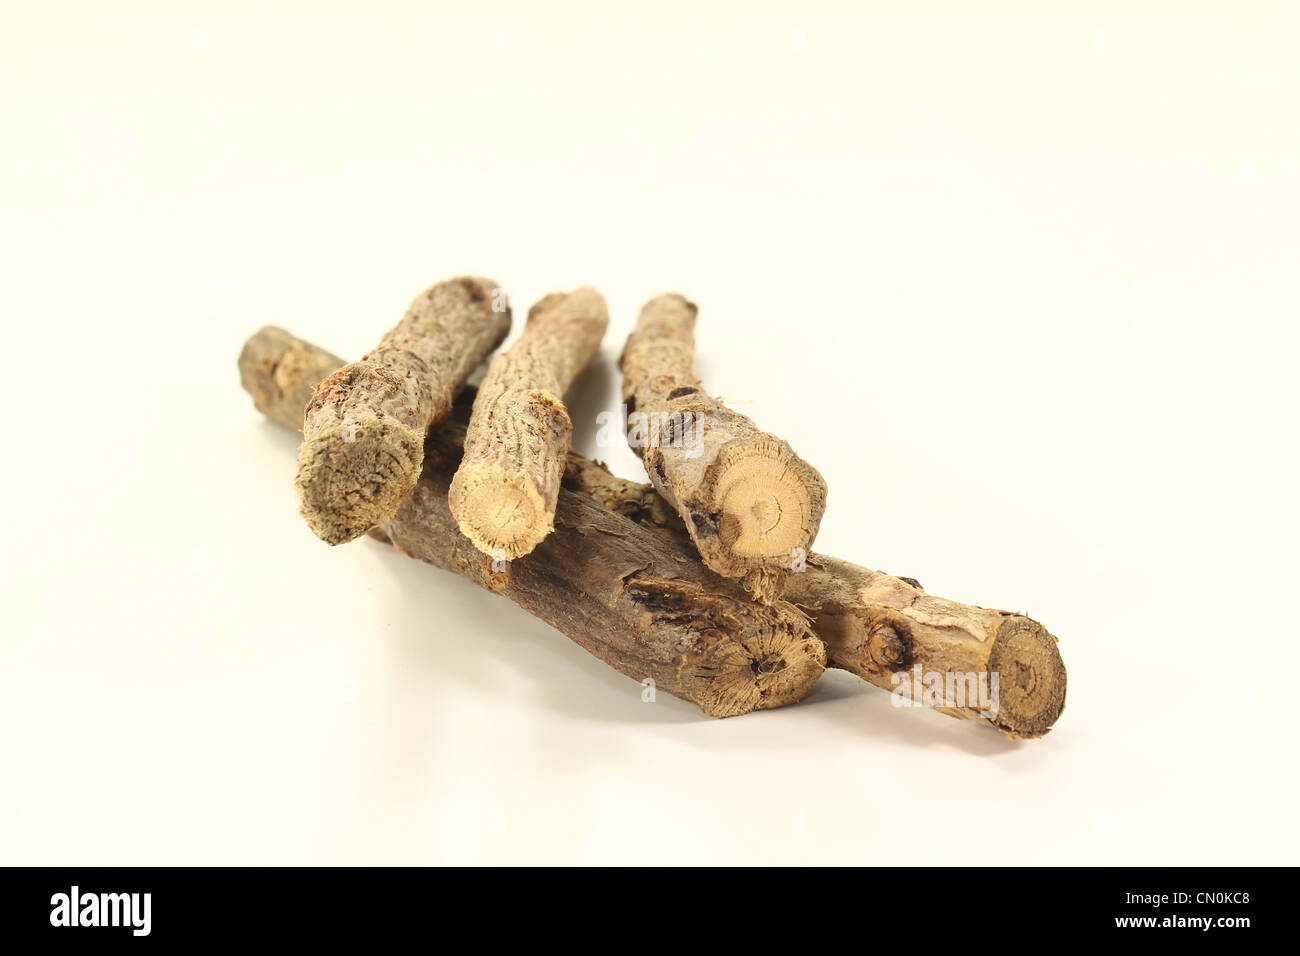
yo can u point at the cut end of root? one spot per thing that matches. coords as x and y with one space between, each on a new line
354 477
500 510
768 669
769 500
1031 678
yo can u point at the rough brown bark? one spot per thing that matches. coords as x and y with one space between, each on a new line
631 595
750 504
877 626
364 428
504 493
890 632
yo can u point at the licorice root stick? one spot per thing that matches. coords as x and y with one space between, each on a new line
364 428
505 491
750 504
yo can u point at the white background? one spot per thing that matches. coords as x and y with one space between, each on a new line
1019 279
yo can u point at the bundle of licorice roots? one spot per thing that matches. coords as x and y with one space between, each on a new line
701 583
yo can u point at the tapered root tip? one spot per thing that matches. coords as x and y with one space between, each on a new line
499 509
1031 678
770 501
354 476
770 668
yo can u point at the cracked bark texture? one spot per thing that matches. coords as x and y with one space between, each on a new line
872 624
890 632
883 628
750 504
364 427
504 493
630 595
